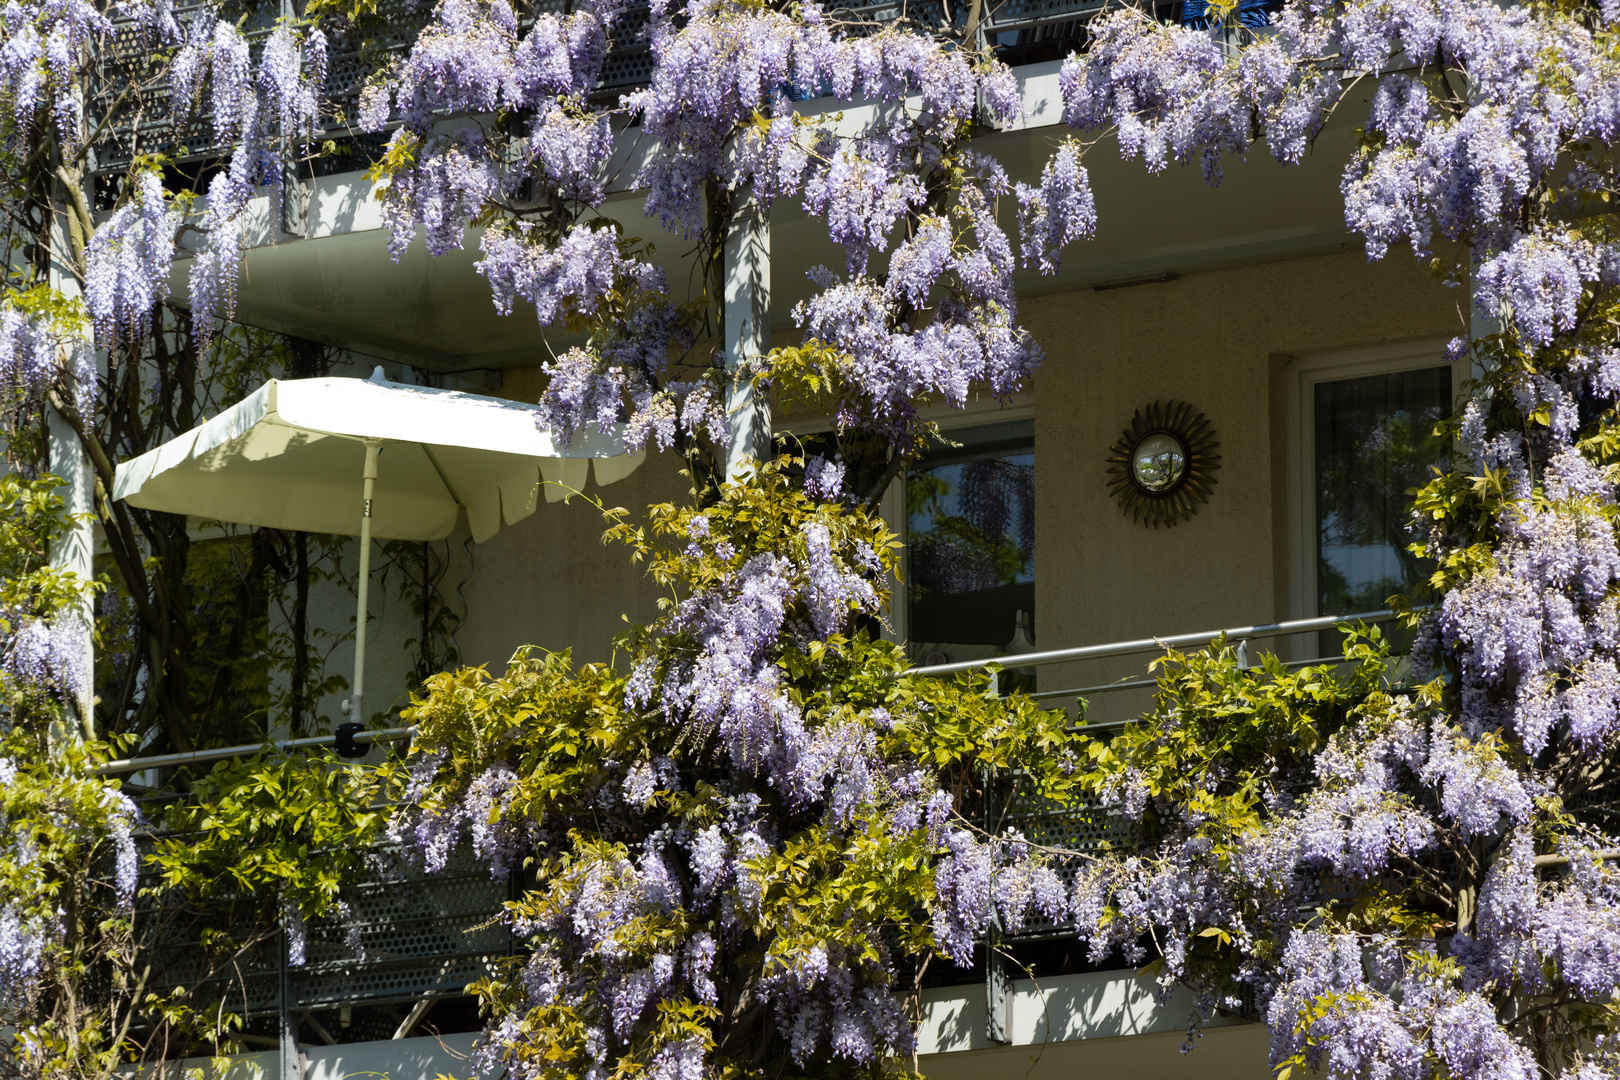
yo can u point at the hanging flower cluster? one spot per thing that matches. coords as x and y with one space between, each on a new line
58 822
253 110
29 351
68 863
127 263
740 843
755 812
43 348
259 109
46 48
719 106
1366 788
1451 811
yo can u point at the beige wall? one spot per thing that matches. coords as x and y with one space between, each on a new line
549 581
1219 340
1232 1053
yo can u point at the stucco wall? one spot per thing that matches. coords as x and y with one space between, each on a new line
1232 1053
549 581
1219 340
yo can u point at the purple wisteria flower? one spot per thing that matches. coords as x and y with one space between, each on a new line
127 264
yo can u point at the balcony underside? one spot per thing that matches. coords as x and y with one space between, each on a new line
341 287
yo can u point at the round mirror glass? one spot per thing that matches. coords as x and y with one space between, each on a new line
1158 462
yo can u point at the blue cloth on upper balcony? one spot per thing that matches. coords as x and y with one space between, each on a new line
1251 13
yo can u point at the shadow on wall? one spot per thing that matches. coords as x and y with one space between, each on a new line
389 1059
1063 1008
1229 1053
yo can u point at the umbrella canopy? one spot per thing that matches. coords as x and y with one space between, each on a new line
291 454
371 458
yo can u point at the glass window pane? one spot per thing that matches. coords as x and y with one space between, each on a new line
971 543
1375 442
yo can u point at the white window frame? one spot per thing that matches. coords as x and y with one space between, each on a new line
892 508
1302 376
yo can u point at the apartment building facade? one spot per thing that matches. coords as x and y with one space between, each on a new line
1244 322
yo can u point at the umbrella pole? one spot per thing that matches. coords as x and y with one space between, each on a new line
357 708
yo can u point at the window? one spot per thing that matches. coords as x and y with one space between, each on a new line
1364 438
970 544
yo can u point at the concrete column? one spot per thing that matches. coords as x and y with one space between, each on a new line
67 458
746 264
289 1061
74 551
1479 326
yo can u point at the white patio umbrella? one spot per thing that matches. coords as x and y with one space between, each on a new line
371 458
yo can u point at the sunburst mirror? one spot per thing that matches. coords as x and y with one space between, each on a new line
1163 465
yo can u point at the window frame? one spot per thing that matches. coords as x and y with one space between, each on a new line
1302 375
979 409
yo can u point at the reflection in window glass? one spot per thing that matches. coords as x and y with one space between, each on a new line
1375 442
971 544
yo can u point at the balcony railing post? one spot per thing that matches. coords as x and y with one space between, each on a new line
997 987
291 1064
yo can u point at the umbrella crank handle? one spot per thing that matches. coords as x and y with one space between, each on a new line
355 707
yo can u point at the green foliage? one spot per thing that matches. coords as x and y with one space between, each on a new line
60 825
258 848
567 732
32 517
1226 742
66 314
289 829
1214 718
809 378
253 838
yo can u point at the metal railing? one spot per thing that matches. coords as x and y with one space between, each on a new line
1016 661
1136 684
1020 31
1174 641
403 937
420 936
221 753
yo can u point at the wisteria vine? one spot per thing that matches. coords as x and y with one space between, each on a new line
1454 808
761 780
719 106
1475 933
765 798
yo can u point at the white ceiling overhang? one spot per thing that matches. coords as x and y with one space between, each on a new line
340 286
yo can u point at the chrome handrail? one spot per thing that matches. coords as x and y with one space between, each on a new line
1137 684
1174 641
220 753
1021 660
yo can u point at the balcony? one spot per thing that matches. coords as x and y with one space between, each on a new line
1020 32
398 962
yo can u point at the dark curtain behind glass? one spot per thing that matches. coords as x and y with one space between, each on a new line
971 525
1375 442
